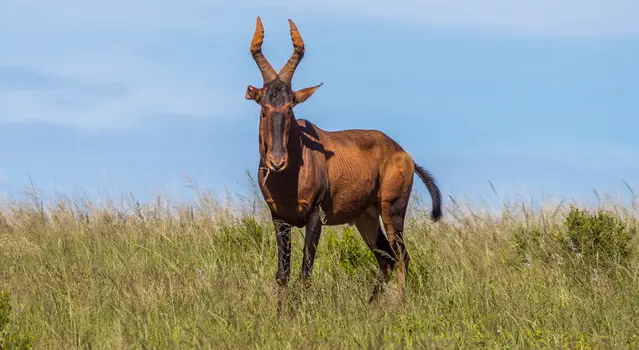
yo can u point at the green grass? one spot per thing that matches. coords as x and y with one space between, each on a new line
167 276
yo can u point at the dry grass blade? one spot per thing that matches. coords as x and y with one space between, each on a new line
156 275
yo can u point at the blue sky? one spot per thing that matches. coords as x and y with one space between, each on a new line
128 96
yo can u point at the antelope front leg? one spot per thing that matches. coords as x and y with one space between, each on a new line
313 231
283 237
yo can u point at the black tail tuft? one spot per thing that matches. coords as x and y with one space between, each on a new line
435 195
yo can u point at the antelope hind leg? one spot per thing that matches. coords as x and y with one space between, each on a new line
369 227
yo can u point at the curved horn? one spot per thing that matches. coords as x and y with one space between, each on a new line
268 73
286 74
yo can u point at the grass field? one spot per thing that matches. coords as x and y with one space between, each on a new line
164 276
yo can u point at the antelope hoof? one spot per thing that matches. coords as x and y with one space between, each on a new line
281 278
280 306
305 281
281 299
376 290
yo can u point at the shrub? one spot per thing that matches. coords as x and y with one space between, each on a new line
351 251
245 233
534 243
9 338
601 238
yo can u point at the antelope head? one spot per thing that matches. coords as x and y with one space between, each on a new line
277 99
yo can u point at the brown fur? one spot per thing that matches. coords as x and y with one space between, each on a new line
349 176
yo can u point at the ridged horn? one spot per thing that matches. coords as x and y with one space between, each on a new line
268 73
286 73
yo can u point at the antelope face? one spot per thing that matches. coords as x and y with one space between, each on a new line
276 99
276 118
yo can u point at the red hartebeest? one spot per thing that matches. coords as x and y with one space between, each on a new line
310 177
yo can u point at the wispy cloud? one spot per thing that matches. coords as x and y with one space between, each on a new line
573 18
541 17
114 63
17 78
104 91
108 64
592 156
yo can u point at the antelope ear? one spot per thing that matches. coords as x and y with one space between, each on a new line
253 93
303 94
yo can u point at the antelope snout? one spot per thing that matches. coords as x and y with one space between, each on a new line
277 162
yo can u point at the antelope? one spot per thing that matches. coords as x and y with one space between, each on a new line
310 177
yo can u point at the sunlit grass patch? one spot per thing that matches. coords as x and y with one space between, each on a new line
164 275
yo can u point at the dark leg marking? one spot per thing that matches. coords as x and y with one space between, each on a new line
313 232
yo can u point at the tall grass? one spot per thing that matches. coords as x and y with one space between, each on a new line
162 275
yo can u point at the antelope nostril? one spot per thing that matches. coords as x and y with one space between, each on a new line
277 164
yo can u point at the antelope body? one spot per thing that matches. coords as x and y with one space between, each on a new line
310 177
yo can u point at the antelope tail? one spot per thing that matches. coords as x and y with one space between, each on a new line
435 195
